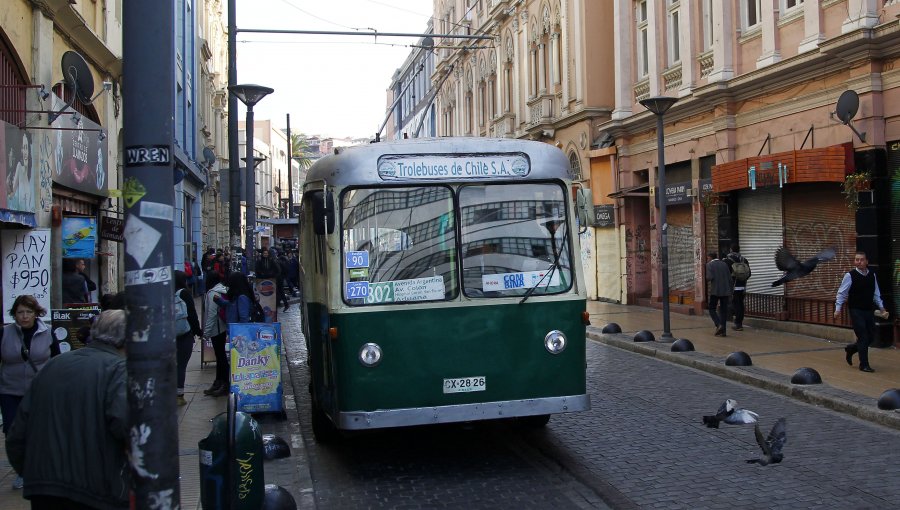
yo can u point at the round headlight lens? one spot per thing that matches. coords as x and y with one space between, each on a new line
555 342
370 354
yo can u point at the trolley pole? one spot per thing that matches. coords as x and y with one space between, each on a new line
149 78
290 148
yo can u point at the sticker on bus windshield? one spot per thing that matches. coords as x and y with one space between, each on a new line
524 280
418 289
357 259
362 272
357 290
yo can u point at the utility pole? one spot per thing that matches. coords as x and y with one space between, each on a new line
149 78
290 211
234 157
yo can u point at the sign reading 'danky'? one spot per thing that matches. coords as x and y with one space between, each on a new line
149 155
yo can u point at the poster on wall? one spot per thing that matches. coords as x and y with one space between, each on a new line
25 266
18 174
71 326
79 237
79 152
264 289
256 366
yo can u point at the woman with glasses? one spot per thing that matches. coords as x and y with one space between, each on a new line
25 346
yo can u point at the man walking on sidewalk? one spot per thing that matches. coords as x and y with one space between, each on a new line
859 289
740 273
720 289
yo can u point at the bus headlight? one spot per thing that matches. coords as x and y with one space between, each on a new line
555 342
370 354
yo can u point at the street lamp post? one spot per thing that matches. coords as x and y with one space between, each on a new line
659 105
250 95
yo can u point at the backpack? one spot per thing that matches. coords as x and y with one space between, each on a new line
740 270
181 313
188 270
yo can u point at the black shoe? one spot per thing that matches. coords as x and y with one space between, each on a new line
849 355
221 392
738 327
866 369
285 308
216 386
720 331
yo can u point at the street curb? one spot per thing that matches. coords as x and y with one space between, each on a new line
822 395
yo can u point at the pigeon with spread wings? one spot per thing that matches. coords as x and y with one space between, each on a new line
771 446
730 414
793 268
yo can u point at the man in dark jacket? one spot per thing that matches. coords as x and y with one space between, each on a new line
79 394
721 287
859 290
739 278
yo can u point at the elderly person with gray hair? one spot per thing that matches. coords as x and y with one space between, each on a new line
79 394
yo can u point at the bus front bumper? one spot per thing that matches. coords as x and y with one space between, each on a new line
362 420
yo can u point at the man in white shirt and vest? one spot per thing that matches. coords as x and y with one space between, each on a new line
859 290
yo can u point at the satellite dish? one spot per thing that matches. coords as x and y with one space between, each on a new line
78 76
847 106
209 156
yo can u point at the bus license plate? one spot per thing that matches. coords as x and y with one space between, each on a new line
464 384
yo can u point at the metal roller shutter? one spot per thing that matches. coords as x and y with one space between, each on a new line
760 232
681 246
893 162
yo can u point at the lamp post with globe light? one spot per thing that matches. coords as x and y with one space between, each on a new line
659 105
250 95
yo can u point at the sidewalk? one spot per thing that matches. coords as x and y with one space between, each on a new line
194 424
775 354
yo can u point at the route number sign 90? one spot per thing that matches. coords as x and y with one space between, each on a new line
356 259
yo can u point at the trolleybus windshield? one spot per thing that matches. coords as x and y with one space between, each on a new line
400 245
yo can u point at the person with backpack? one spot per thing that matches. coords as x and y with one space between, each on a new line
240 302
215 328
187 325
718 277
740 273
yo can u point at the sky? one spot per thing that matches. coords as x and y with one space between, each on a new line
333 86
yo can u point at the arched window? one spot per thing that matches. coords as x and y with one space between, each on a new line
574 166
14 80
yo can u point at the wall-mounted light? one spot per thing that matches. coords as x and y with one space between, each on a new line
102 136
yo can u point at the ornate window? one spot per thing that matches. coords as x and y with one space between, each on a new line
575 166
643 57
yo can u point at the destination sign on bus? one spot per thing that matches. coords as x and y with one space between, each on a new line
417 289
453 167
524 280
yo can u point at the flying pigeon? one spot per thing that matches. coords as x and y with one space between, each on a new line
771 446
730 414
793 268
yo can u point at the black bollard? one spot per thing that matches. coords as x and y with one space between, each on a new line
682 345
274 447
278 498
806 375
889 400
644 336
738 359
611 328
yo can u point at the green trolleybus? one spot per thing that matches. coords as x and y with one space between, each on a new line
442 282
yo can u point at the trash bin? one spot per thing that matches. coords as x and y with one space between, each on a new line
231 462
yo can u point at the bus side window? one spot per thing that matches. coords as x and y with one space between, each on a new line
323 212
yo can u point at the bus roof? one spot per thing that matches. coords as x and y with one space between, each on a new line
360 165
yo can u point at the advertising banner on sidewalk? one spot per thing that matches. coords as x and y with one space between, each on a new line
256 366
264 289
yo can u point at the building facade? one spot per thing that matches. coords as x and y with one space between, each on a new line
60 72
757 151
545 74
411 112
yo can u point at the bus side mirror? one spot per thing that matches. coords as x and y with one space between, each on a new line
584 202
323 212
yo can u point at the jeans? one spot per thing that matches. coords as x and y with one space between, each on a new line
8 406
864 327
721 318
222 368
737 301
184 345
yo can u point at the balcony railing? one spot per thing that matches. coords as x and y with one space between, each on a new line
540 110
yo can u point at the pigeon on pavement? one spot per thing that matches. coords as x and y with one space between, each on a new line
730 414
793 268
771 446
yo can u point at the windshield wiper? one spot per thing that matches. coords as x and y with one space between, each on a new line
550 271
551 226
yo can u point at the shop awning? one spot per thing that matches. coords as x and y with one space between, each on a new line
641 190
25 219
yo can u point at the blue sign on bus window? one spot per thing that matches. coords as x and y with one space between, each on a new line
357 259
357 290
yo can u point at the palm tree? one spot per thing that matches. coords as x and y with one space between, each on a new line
299 150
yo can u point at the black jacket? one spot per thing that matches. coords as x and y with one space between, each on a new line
70 434
192 318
